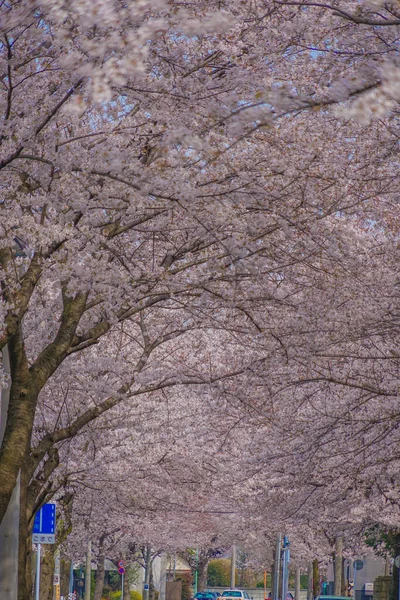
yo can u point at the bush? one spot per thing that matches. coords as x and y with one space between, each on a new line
135 595
219 572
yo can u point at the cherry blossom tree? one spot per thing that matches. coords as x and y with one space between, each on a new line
202 196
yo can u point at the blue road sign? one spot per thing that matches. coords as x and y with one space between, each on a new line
44 526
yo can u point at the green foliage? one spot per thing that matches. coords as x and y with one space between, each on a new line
219 572
135 595
304 581
383 542
260 584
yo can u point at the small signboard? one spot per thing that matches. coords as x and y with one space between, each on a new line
146 586
44 526
121 563
121 570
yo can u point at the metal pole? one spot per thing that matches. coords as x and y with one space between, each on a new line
122 586
71 577
287 561
398 583
277 566
88 570
297 584
284 560
354 581
37 582
233 566
196 573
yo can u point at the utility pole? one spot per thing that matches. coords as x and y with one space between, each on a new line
297 584
147 567
310 582
338 565
233 566
88 570
163 576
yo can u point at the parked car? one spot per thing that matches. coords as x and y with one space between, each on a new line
235 595
207 595
330 597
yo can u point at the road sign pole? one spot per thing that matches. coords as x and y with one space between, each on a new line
354 582
37 582
122 586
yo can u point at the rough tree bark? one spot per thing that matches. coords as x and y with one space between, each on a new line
202 567
338 565
316 582
98 589
127 594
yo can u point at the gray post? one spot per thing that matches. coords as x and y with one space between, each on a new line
9 527
285 567
277 566
147 563
233 566
122 586
310 582
37 581
163 576
297 584
88 570
71 577
338 566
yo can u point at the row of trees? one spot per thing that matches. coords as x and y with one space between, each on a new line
198 265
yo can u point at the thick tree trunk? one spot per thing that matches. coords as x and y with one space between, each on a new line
26 383
98 589
25 559
127 594
202 575
316 582
21 411
65 571
395 572
47 573
338 565
345 583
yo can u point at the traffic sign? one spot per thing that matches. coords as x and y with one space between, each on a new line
397 561
44 526
358 564
121 563
146 586
121 570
